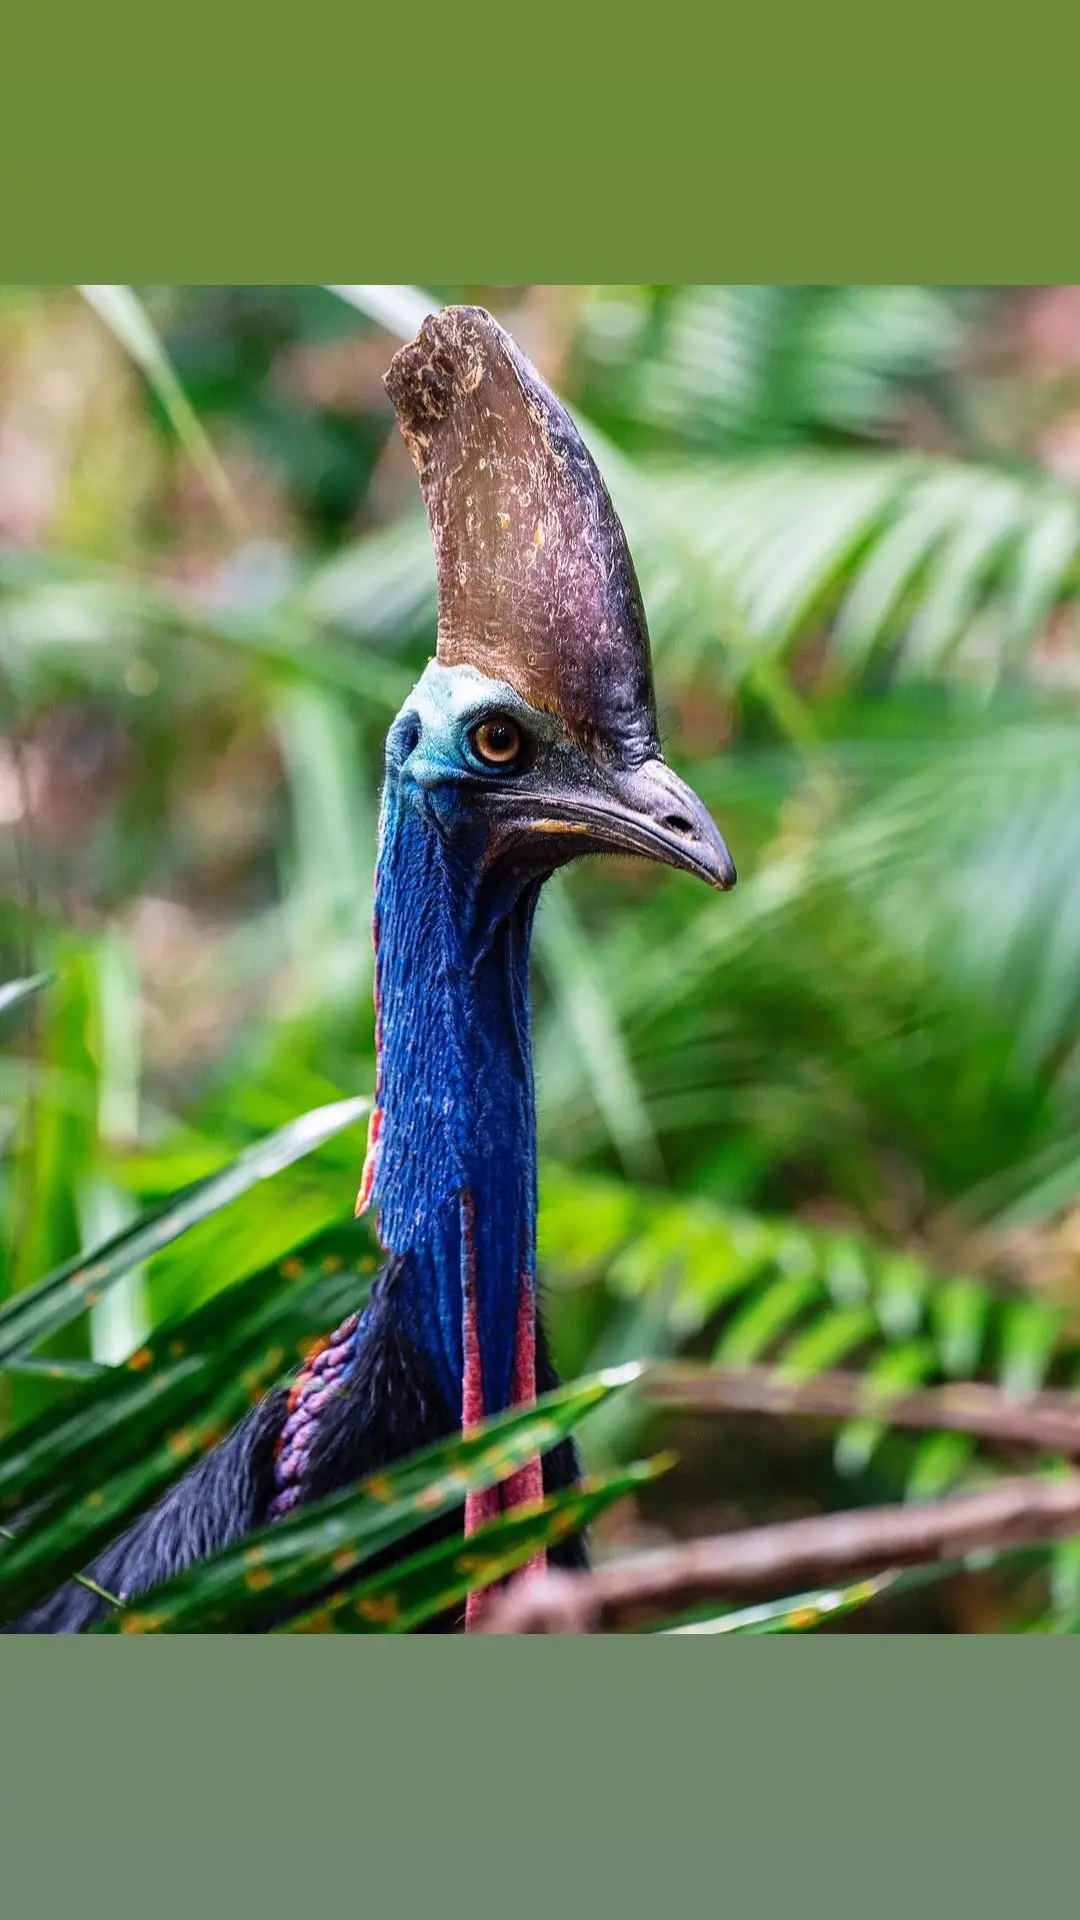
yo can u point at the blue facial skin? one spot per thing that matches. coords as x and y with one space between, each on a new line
455 1069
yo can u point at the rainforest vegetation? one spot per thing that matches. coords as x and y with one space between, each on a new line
830 1121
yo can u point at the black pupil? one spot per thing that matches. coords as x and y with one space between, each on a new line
499 738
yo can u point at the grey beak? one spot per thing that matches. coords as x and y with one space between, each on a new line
658 815
645 810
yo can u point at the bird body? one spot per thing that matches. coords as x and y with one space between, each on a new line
529 740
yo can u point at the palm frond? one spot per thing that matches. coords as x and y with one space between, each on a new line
928 566
246 1586
402 310
407 1595
724 367
31 1315
804 1299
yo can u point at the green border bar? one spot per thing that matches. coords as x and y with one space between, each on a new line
779 143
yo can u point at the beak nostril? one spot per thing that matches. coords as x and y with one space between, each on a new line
678 823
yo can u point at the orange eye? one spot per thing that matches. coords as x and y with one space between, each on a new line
497 741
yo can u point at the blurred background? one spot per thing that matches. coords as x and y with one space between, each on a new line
834 1118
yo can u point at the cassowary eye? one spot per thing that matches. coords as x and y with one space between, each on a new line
497 741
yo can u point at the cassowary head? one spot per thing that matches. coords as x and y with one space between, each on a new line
530 739
536 722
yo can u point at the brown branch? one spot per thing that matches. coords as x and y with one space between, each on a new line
1045 1420
795 1555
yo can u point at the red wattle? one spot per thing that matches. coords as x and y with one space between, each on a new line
367 1178
482 1506
527 1484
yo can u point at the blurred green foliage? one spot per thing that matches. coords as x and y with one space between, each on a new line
835 1117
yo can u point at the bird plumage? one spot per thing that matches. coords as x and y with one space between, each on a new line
529 740
389 1406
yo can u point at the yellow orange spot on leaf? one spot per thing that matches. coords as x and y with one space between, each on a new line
561 1524
385 1610
321 1622
470 1563
140 1623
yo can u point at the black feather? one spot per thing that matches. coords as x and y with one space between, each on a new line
389 1406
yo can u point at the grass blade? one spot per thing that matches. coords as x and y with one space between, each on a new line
578 990
64 1451
403 1597
797 1614
71 1371
401 310
126 317
110 1456
79 1283
252 1584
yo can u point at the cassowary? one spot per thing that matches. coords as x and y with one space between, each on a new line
530 739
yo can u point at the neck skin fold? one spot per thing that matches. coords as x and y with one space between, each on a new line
452 1159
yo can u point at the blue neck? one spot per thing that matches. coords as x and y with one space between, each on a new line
455 1175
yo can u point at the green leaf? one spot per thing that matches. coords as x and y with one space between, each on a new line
902 1288
1065 1579
940 1462
831 1337
846 1270
402 1597
579 991
54 1145
960 1311
764 1318
126 317
99 1461
73 1371
1046 553
893 1371
273 1311
798 1614
251 1584
1029 1335
958 570
80 1282
402 310
43 1554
